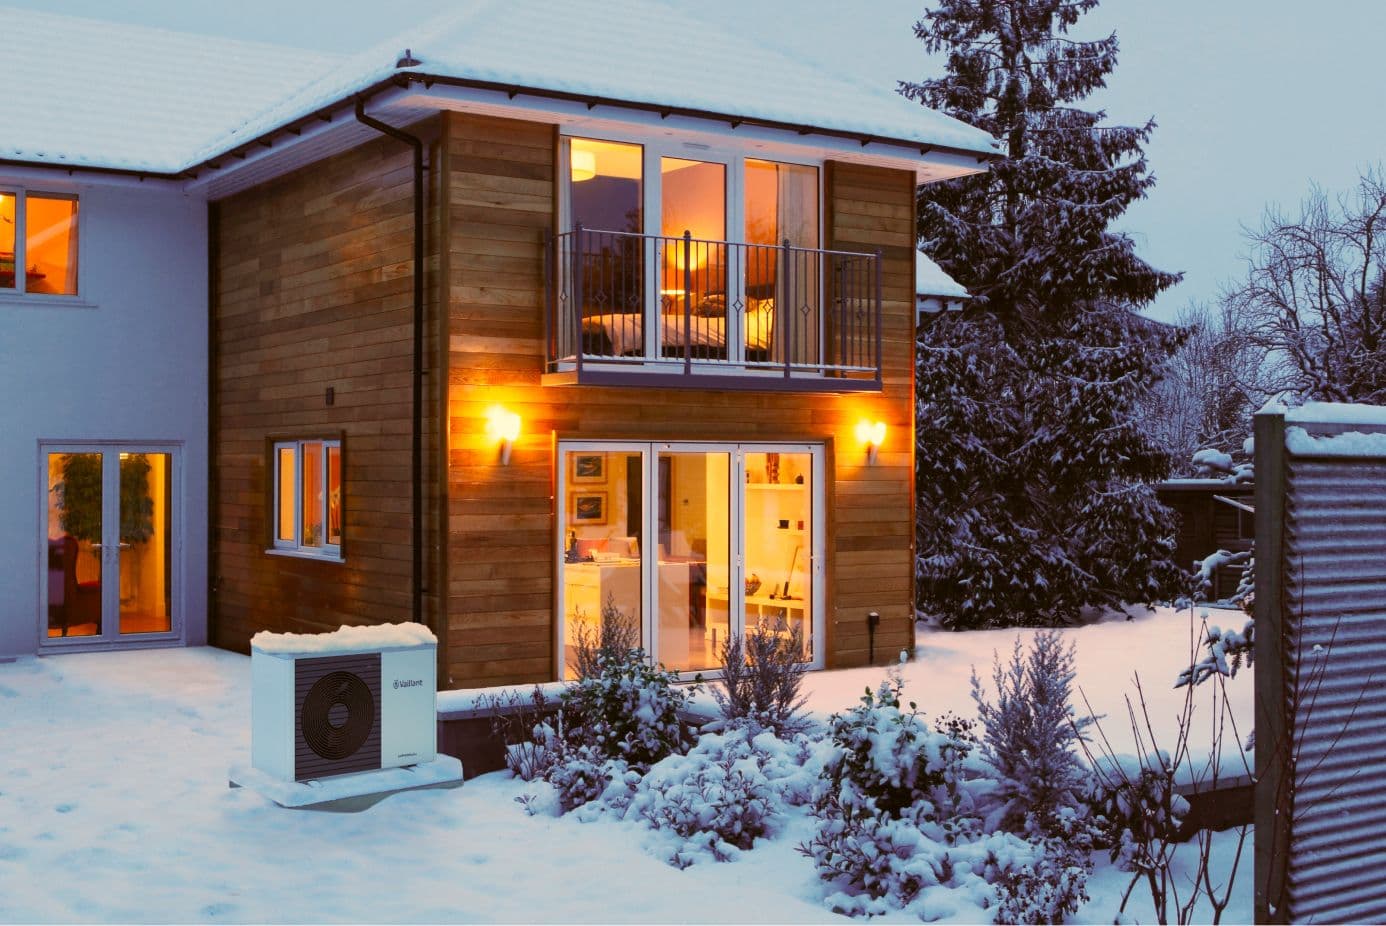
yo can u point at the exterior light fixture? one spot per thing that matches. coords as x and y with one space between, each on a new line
503 426
584 165
872 434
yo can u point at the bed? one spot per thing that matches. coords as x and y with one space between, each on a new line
622 334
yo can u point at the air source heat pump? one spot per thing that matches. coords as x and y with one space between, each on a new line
356 700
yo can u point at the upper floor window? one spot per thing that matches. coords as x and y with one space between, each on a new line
307 500
38 242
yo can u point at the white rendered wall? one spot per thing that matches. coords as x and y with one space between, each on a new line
131 366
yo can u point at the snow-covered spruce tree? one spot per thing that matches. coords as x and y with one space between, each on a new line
1033 471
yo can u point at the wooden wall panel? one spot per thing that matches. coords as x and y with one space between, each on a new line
501 519
313 288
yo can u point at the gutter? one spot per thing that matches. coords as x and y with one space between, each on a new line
416 463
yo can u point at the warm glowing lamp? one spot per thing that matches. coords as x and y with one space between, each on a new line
584 165
872 434
503 426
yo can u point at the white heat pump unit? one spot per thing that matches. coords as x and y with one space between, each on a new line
323 707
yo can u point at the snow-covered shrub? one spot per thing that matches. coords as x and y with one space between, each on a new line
1141 809
722 805
1049 888
761 680
615 636
1030 733
900 813
1228 651
524 724
628 710
579 775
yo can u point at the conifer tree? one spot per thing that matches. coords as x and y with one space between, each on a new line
1034 475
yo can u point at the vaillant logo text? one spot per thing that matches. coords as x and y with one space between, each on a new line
408 682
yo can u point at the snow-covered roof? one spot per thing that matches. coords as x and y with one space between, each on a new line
136 98
930 280
85 93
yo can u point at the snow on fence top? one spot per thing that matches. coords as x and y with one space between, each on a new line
1347 444
1328 413
344 639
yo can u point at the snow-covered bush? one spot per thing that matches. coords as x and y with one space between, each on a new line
580 775
1030 734
901 810
524 724
761 680
615 636
1228 651
1142 810
622 707
1049 888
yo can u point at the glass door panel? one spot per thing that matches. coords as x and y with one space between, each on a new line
779 544
603 548
693 273
146 553
75 544
782 290
694 503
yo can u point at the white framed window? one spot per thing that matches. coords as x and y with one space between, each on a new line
38 242
306 502
636 200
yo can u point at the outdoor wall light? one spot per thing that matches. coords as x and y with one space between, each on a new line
872 434
503 426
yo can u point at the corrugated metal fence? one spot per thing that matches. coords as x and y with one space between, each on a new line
1320 669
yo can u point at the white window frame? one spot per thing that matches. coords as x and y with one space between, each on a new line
21 194
294 546
654 148
649 584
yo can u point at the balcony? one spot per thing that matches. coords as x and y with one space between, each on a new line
628 309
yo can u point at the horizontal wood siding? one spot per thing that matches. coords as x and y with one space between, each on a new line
501 520
313 290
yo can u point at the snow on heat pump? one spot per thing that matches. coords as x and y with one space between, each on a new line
358 699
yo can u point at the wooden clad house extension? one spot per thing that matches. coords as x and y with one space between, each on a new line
310 293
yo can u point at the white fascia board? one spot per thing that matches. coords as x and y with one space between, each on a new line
288 152
63 179
575 115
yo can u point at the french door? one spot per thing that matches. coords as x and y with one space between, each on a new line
690 544
108 545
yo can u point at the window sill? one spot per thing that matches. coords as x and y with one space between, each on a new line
39 301
304 554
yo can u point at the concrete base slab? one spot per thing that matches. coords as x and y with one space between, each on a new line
348 793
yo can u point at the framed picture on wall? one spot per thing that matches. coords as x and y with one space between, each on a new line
587 468
587 508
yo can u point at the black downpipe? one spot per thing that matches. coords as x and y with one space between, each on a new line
417 462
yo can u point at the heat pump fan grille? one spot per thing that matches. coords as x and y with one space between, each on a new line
338 717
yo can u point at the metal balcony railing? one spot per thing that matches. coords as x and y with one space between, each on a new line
623 307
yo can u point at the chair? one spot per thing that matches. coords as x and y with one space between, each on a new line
76 602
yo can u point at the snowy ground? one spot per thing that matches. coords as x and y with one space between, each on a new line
114 807
1110 654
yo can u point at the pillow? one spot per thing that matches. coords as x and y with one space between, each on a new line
711 306
760 323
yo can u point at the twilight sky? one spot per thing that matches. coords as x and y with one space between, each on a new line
1254 99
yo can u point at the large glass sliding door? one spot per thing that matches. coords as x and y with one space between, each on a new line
690 543
108 546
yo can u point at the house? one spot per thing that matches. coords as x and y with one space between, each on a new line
487 333
934 290
1214 514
